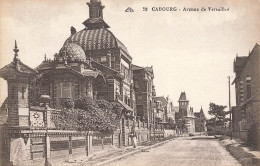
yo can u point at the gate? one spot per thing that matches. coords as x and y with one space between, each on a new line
37 146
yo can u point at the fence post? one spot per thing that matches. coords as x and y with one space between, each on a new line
119 139
31 142
70 144
102 142
112 137
86 144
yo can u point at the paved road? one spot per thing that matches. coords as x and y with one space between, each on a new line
182 152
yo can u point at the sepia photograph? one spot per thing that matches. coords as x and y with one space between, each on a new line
129 82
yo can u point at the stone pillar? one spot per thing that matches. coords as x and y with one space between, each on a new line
90 141
48 118
48 146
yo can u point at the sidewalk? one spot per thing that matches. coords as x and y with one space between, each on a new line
73 159
243 154
147 145
100 157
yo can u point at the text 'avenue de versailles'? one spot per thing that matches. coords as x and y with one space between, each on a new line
92 64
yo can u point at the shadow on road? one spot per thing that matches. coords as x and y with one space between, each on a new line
203 137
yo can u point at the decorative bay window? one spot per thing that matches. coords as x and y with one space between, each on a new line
65 92
89 91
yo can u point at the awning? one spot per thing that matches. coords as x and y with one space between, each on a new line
125 106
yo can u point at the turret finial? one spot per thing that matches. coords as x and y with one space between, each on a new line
16 50
16 58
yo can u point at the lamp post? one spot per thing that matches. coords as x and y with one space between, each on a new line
229 106
45 99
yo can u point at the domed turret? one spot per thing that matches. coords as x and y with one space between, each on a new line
72 52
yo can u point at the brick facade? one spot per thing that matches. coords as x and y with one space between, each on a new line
246 113
247 86
144 91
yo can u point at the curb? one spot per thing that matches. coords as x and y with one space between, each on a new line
243 157
131 153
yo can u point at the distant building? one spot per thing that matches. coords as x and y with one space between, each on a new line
144 92
170 114
246 113
200 121
165 113
161 109
186 113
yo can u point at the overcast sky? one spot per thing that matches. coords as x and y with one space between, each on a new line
189 51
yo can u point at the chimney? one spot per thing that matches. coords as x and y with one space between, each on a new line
72 30
95 9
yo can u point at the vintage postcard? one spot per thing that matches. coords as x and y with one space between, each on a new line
129 82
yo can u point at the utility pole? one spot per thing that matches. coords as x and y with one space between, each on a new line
229 105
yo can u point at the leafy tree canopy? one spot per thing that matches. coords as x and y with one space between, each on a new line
219 116
87 115
217 111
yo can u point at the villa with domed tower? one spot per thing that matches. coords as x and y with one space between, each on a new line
92 63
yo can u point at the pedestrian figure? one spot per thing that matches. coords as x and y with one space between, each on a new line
134 139
133 136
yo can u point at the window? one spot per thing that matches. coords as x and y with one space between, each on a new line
64 90
103 59
139 97
113 58
128 102
125 101
248 87
23 90
98 59
241 90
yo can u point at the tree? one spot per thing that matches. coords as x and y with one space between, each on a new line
112 111
34 92
171 125
219 116
180 122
